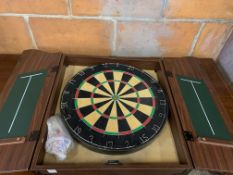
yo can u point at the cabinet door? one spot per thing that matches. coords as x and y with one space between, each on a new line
23 103
204 104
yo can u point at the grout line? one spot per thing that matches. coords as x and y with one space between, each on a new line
26 20
114 36
120 18
69 7
196 39
164 6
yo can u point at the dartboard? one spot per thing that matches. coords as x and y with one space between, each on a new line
113 107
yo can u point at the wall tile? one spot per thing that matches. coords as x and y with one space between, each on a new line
88 37
34 6
122 8
14 37
211 40
219 9
155 39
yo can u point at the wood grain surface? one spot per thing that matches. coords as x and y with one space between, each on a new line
163 147
7 64
184 163
18 157
205 156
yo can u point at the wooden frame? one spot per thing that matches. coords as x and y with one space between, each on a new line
164 168
192 152
30 61
214 156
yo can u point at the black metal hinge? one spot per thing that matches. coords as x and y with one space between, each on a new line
169 74
188 136
34 136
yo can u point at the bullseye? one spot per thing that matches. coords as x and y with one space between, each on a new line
115 97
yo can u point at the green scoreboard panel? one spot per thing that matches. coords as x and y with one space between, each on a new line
16 114
204 114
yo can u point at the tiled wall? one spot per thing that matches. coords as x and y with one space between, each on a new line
117 27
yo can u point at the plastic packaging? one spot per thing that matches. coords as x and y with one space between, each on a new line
59 141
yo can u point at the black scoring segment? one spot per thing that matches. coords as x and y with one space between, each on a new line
140 86
101 123
109 109
123 125
95 82
85 94
143 100
127 106
140 116
128 91
100 104
125 78
119 111
109 76
86 110
99 96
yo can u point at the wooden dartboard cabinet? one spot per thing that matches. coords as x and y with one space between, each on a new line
178 149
